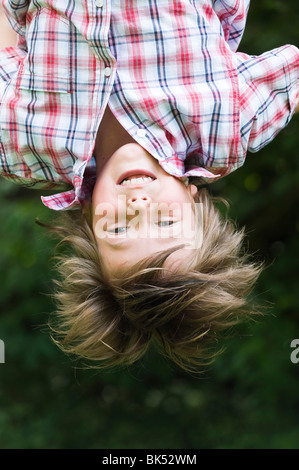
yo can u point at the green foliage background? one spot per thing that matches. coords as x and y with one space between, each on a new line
247 399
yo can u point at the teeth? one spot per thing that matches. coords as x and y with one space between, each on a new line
145 179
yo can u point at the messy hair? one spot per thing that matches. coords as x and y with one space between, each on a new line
109 322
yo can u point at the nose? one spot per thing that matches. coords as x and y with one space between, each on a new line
139 200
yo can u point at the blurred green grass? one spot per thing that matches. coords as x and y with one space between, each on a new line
247 399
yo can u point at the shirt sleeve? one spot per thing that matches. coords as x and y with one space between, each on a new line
12 57
232 15
16 11
269 89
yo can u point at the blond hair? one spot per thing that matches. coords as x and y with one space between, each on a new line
113 322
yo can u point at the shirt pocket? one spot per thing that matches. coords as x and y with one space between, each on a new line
34 82
48 63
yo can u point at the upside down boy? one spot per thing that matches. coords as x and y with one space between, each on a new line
126 109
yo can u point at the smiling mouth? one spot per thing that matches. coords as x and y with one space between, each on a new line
136 180
136 177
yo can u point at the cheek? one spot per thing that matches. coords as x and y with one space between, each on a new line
178 200
176 191
103 209
101 192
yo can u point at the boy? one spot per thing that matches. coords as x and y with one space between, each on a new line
155 91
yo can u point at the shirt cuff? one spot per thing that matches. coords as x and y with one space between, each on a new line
269 86
62 201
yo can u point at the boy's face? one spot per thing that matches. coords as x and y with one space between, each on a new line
135 219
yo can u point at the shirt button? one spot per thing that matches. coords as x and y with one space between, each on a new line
141 132
99 3
107 71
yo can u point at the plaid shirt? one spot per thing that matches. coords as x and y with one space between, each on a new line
170 71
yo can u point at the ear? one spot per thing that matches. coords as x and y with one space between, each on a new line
192 189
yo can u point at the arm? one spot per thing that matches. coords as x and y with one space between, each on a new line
8 37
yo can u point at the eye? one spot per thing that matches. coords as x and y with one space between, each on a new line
166 223
118 230
161 223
